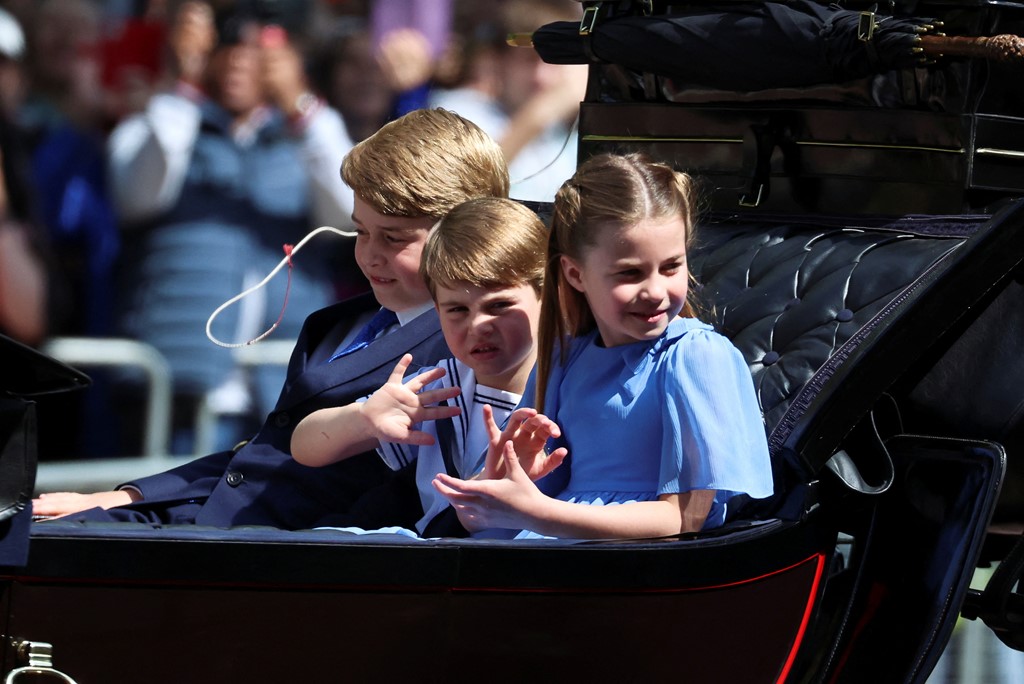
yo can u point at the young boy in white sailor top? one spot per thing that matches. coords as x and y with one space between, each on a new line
484 267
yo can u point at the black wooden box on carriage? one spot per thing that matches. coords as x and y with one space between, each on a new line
943 136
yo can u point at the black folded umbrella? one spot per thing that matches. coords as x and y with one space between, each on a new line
744 46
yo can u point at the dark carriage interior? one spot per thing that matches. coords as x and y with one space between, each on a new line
861 244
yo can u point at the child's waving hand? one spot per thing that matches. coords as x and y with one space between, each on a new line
529 432
333 434
391 412
484 504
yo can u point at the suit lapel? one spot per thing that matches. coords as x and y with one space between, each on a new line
319 325
311 379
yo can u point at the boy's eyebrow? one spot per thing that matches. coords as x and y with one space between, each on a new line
449 301
500 293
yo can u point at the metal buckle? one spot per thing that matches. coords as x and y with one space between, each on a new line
589 19
752 198
866 26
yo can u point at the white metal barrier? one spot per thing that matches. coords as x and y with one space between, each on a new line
87 475
89 351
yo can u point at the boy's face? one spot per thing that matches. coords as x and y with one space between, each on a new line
388 252
491 330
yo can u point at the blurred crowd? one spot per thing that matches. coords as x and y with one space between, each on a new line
157 154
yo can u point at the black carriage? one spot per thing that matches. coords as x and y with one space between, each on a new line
862 245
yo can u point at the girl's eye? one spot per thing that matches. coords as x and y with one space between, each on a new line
394 239
456 309
672 268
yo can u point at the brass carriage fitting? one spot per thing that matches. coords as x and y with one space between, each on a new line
519 40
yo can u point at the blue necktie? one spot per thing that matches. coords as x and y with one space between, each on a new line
381 321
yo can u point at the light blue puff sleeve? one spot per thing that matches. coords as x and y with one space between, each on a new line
713 426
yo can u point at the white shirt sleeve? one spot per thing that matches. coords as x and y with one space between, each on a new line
149 154
325 142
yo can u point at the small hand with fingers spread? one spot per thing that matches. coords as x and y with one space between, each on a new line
506 503
529 432
393 410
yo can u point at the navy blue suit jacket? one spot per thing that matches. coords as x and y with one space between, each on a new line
260 483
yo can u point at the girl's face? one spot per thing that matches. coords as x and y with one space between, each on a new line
634 279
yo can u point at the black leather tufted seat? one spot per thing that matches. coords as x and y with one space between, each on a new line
830 314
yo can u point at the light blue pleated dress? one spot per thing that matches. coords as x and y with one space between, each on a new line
671 415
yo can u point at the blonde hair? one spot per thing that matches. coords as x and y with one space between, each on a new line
424 163
607 191
488 242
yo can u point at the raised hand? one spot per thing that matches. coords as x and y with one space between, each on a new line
507 503
528 431
284 75
393 410
405 60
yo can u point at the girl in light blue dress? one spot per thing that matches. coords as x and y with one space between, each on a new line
657 410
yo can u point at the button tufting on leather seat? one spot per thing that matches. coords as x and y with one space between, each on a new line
753 274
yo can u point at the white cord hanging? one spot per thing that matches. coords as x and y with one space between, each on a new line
289 251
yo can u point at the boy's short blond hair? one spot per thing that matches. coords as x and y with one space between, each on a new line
487 242
424 163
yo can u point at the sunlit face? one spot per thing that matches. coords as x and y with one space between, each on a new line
491 330
634 279
388 252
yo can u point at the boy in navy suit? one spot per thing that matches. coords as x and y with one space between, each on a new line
405 177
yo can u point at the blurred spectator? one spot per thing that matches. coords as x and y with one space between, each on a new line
23 275
24 272
409 38
64 65
527 105
12 77
131 53
210 181
34 289
379 63
62 121
351 79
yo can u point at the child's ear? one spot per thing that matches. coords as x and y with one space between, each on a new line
572 273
